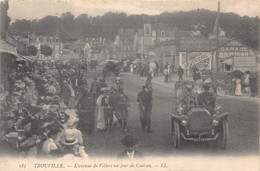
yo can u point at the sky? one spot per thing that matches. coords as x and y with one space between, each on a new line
36 9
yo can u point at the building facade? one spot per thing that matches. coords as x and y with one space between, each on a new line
124 43
53 41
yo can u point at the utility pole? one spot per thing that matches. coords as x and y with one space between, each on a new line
217 30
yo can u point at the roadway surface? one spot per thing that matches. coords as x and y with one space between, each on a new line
243 126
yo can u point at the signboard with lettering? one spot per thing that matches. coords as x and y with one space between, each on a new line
202 60
244 61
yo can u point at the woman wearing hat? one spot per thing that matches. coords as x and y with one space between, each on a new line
130 152
100 110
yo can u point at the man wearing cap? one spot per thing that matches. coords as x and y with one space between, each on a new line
144 98
119 83
207 99
123 106
180 73
130 152
189 98
103 84
113 101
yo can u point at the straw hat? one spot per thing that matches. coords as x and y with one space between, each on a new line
70 138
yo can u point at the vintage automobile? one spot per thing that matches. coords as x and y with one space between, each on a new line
199 124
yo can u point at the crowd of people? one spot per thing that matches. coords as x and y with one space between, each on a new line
46 107
36 109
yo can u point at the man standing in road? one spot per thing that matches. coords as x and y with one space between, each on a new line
180 73
123 106
144 98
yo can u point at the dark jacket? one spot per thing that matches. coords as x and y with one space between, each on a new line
180 71
95 87
65 92
113 100
145 99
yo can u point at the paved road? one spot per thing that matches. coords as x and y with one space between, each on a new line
243 127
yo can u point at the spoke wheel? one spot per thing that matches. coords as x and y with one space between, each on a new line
176 135
223 135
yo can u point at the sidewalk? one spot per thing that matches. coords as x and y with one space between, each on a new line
159 80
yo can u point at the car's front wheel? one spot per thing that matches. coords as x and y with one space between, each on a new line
176 135
223 135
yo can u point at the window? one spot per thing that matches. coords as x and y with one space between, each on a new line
162 33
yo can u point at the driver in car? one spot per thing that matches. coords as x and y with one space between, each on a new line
207 99
190 98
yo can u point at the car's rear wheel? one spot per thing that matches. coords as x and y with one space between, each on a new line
223 135
176 135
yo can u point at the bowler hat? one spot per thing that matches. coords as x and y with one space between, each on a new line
129 141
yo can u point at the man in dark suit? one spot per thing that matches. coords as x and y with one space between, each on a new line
145 100
130 152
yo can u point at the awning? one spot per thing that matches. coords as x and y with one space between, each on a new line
24 58
6 47
228 61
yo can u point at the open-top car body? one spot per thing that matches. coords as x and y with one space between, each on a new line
199 124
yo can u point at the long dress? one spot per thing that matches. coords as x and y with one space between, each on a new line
100 114
238 91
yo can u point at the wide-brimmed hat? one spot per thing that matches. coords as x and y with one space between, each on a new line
118 78
72 121
70 138
70 112
189 85
129 141
104 89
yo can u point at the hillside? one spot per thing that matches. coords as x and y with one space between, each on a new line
245 29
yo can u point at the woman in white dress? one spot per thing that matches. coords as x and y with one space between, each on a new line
238 91
100 111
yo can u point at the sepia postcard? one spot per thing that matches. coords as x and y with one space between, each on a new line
129 85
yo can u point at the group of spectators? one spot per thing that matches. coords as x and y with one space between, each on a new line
36 109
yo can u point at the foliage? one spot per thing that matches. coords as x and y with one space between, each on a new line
46 50
245 29
32 50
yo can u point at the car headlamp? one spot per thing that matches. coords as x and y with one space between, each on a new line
217 108
184 120
215 120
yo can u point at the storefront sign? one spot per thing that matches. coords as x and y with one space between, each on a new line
196 60
244 61
235 51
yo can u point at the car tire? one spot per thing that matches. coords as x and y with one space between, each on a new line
223 135
176 135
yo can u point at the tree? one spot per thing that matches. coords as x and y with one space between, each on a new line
46 50
32 50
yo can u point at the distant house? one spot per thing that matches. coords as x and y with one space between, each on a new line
53 41
98 49
124 43
150 35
